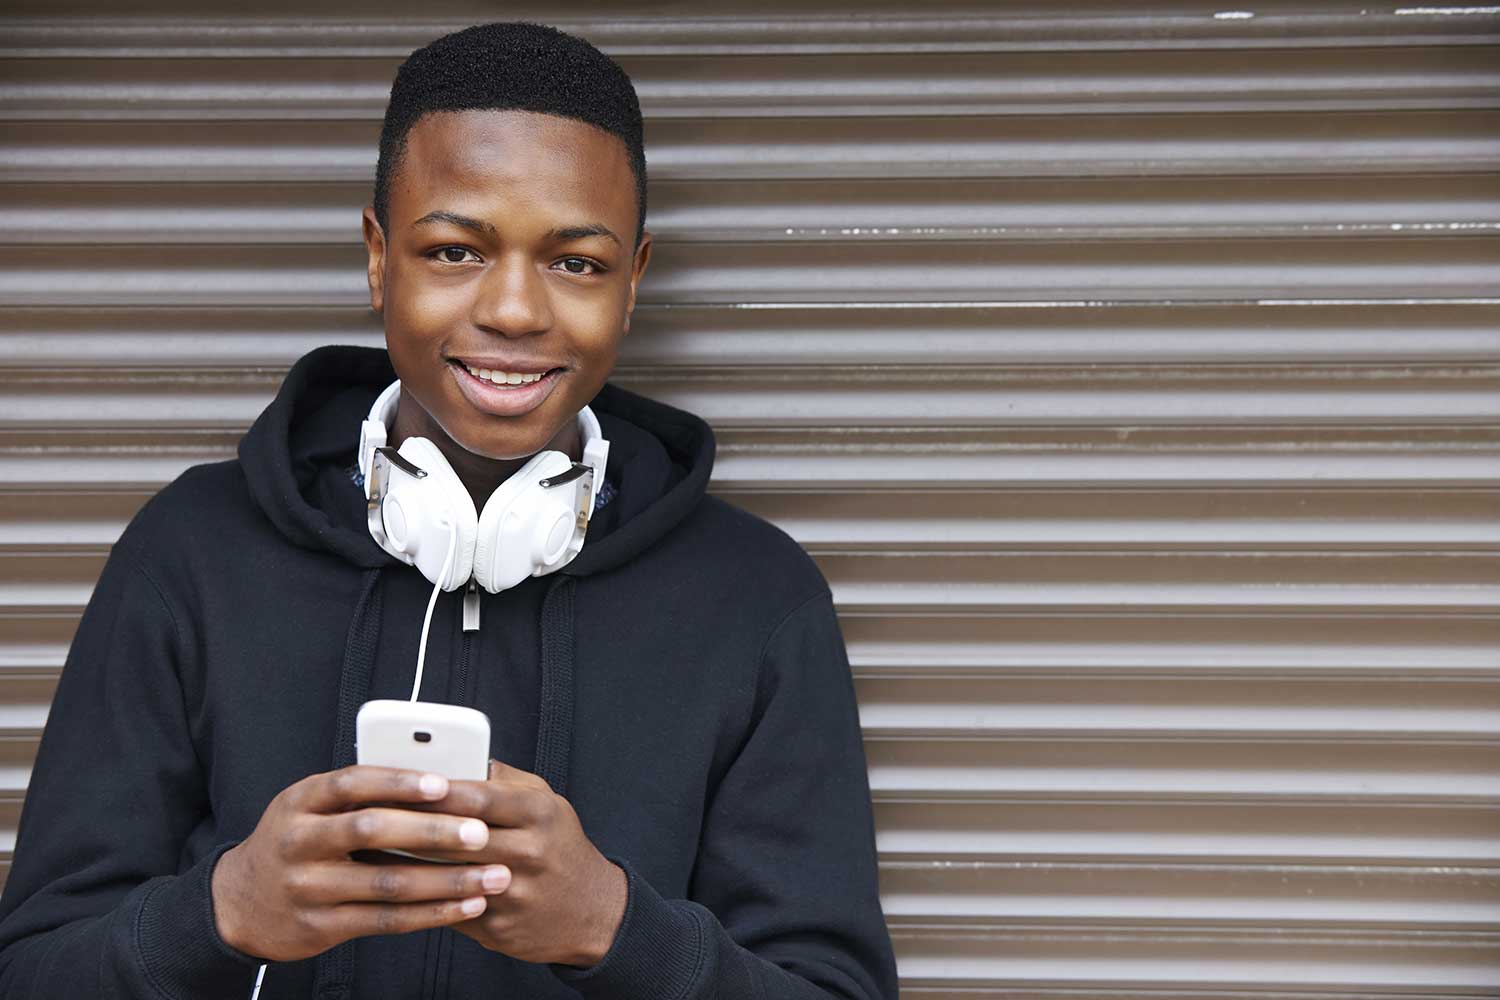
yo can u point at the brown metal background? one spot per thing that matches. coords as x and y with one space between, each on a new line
1131 373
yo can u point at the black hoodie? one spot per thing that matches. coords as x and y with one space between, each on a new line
682 683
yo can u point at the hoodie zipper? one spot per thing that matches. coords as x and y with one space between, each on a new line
441 939
471 607
466 647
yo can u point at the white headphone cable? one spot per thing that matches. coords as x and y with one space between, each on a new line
416 686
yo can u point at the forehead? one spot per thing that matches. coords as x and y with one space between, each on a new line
513 156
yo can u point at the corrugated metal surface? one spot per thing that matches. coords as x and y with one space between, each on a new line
1132 375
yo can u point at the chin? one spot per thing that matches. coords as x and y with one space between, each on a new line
497 449
499 446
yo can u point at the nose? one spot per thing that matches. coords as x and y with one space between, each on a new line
512 299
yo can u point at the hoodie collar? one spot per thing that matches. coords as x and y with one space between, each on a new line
296 454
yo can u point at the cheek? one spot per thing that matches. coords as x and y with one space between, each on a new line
595 323
421 304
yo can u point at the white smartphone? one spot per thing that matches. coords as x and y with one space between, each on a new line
450 740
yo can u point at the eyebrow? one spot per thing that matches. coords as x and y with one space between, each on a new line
478 225
583 232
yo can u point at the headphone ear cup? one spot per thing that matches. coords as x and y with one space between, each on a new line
425 502
503 555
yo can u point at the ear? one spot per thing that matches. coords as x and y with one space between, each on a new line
375 266
637 268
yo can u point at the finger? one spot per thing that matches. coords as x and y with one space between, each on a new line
499 803
352 920
354 882
501 771
358 784
376 828
519 850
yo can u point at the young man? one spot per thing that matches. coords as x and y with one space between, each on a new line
678 805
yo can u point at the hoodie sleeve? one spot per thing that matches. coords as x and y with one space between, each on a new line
784 896
95 905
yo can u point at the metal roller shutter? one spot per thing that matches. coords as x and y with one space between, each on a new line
1131 374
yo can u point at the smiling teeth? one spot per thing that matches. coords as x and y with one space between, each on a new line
503 378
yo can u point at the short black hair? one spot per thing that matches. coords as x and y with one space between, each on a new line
511 66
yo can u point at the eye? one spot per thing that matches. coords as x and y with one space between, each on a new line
581 265
442 254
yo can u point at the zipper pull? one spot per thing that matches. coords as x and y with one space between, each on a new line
471 606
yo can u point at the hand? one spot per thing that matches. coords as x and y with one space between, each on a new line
290 891
565 901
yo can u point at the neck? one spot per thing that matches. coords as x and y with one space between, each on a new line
480 474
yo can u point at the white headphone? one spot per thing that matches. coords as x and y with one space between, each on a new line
420 512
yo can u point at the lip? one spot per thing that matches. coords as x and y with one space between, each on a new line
503 401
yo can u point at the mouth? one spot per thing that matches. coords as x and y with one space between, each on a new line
504 394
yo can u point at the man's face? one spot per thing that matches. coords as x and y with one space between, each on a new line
510 247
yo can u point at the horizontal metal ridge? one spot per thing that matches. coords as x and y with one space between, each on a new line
1260 895
290 31
867 209
941 864
1186 733
864 84
1118 395
987 988
936 520
1235 584
1146 145
813 396
1226 520
846 396
1396 267
1109 775
1106 649
1370 710
1151 830
932 644
1247 456
748 333
939 928
36 659
20 376
1072 956
915 988
49 632
1246 795
1143 770
326 227
1374 712
1370 456
1186 583
977 965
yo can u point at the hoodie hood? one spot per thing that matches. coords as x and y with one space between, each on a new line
299 454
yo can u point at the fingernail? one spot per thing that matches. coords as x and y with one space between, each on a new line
434 786
474 907
473 833
496 878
